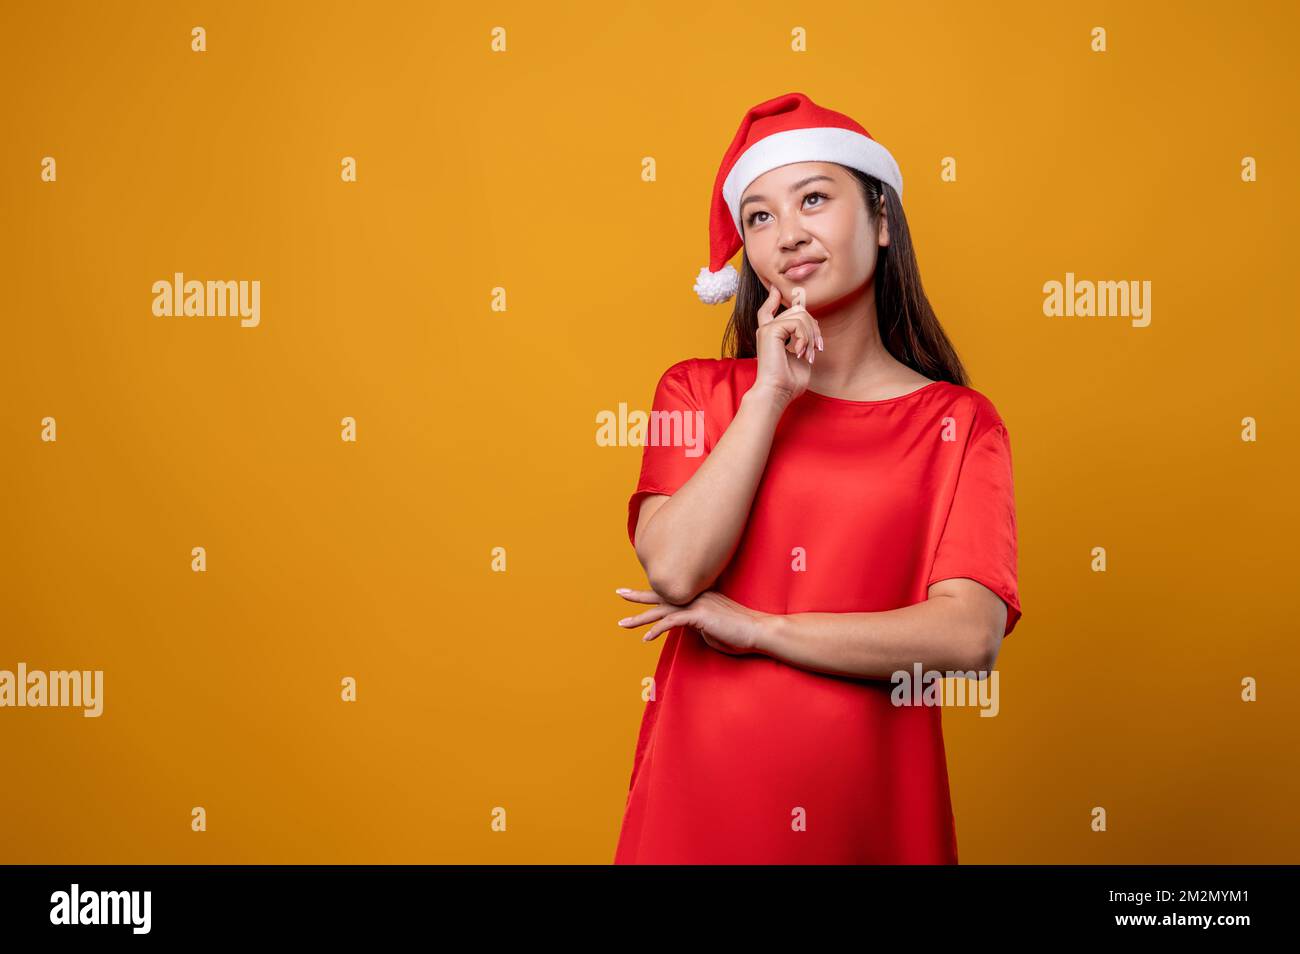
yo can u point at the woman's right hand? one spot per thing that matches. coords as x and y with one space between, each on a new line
786 344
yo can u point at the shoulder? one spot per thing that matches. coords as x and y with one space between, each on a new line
714 385
704 375
975 408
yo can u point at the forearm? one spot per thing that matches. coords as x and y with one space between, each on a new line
937 633
692 536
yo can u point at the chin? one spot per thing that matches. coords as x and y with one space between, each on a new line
814 287
816 297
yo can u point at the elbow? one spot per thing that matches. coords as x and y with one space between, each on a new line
673 588
982 649
666 577
675 591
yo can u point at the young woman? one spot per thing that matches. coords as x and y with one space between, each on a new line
851 516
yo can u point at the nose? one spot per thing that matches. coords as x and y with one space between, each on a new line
793 234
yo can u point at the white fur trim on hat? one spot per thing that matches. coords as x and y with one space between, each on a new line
715 287
821 144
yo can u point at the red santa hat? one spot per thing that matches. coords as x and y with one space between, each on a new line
789 128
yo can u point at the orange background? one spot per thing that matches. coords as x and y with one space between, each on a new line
476 428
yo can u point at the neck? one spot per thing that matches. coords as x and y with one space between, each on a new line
855 358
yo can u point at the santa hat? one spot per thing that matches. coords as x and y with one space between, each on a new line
789 128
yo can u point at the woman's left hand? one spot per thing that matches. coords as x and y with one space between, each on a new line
724 624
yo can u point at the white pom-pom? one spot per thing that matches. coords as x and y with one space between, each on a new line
714 287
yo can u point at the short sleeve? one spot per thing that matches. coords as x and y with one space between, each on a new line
979 538
675 442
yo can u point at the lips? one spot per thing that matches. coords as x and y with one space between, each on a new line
800 272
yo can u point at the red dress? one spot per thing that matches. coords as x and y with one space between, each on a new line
862 505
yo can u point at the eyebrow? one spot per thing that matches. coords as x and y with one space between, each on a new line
794 188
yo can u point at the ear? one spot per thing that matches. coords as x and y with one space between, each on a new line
884 223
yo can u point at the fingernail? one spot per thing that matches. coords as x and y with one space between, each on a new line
645 638
624 622
622 589
821 345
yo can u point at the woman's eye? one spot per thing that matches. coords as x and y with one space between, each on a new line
753 216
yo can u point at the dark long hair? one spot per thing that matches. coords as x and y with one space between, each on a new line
909 329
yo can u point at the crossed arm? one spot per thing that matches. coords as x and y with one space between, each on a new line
956 628
685 540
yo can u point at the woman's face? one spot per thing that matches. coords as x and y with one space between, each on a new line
810 210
